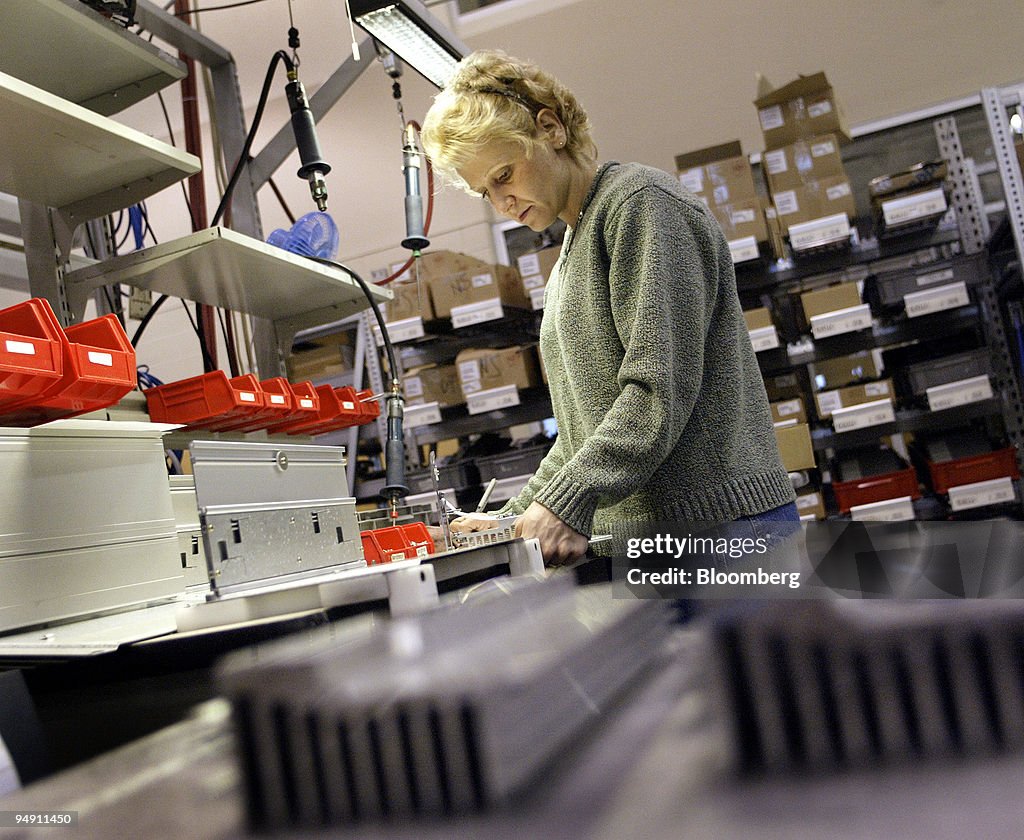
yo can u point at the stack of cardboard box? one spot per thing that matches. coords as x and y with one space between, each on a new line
803 128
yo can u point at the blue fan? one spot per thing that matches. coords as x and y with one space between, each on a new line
314 235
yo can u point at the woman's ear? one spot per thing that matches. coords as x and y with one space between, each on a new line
551 128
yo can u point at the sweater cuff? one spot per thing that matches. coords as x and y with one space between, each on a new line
573 503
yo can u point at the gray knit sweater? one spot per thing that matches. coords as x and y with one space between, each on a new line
661 409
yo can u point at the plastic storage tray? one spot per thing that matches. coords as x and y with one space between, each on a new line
509 464
924 375
48 373
454 475
873 476
889 288
400 542
278 403
204 401
955 460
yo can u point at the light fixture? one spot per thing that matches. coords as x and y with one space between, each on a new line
413 34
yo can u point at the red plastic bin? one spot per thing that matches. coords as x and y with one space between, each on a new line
1001 463
399 542
278 403
876 488
201 402
31 353
305 407
369 408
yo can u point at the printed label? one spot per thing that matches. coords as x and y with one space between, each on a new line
305 402
786 203
838 191
481 280
829 401
421 415
862 416
784 409
535 281
529 264
693 179
477 313
889 510
22 348
841 321
771 117
764 338
743 249
537 298
104 359
247 396
493 399
468 371
819 109
897 211
348 406
935 277
808 501
974 389
952 296
775 162
398 331
877 389
981 493
276 399
741 217
826 147
413 386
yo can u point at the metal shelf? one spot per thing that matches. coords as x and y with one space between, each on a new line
223 268
107 68
61 155
456 422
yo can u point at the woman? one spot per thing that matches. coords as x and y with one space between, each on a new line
661 410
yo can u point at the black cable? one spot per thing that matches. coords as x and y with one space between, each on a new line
147 318
243 157
228 344
170 135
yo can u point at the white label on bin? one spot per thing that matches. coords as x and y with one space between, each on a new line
784 409
962 392
876 389
829 401
533 281
477 313
743 249
104 359
925 302
537 298
398 331
277 399
826 147
305 402
421 415
22 348
819 109
818 232
775 162
982 493
862 416
786 203
771 117
841 321
887 510
481 280
529 264
897 211
493 399
693 179
764 338
935 277
413 386
348 406
808 500
246 396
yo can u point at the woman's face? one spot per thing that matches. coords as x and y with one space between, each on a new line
531 190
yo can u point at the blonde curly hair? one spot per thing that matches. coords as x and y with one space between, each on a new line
493 96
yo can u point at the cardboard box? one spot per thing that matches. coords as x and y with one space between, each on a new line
916 177
784 411
483 369
784 386
805 160
720 174
457 279
741 219
814 200
829 401
319 362
844 370
758 318
806 107
795 447
810 503
410 300
535 269
433 383
830 299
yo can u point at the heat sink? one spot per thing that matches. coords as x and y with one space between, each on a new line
857 683
446 712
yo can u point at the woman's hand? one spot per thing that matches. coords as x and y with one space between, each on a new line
469 523
560 544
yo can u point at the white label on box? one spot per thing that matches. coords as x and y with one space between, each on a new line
829 401
862 416
925 302
784 409
819 109
529 264
305 402
826 147
246 396
935 277
876 389
742 217
807 517
786 203
477 313
896 211
771 117
348 406
104 359
481 280
817 232
693 179
406 329
838 191
22 348
493 399
808 500
775 162
537 298
963 392
276 399
785 424
982 493
887 510
413 386
841 321
743 249
421 415
534 281
764 338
